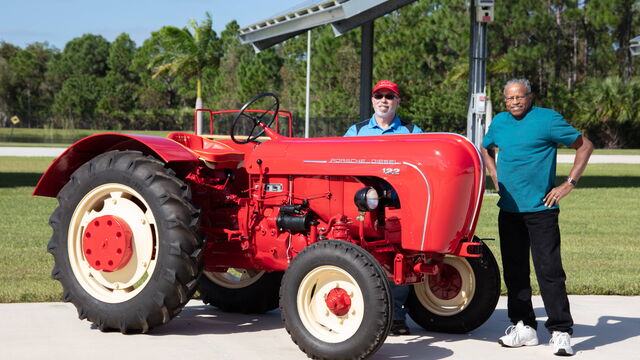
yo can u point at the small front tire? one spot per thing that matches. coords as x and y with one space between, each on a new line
335 301
459 299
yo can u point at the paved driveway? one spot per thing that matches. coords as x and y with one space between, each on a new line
607 328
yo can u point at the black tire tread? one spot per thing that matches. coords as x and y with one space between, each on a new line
361 260
183 264
477 312
257 298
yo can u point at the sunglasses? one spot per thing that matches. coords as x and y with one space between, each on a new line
386 96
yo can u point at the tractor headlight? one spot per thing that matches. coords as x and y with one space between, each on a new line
366 199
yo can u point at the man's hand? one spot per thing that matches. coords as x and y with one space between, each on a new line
584 148
557 193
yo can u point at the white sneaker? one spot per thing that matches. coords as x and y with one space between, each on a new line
561 342
519 335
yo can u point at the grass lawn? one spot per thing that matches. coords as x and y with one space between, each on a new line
599 226
25 265
57 137
599 223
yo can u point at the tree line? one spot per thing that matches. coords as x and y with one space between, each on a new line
575 53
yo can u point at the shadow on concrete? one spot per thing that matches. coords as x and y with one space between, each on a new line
609 330
413 347
204 319
421 344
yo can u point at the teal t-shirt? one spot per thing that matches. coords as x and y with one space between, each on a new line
527 156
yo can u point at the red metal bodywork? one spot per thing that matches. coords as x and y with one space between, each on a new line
84 150
261 204
438 178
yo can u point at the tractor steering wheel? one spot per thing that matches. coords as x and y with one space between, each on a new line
258 121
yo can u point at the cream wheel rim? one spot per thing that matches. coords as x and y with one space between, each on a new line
314 313
122 201
455 305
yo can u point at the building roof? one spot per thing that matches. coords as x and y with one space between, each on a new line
343 15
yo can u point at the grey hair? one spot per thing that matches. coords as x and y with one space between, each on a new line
524 82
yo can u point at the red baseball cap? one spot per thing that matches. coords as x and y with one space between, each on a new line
386 84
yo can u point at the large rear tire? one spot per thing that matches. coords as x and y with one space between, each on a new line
335 301
125 195
459 299
241 290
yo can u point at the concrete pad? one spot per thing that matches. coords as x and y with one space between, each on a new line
607 327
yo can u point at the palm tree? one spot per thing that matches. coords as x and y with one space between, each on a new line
607 106
186 53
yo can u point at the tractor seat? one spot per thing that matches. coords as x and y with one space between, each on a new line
211 151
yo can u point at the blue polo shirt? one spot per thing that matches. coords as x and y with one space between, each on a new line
371 128
527 156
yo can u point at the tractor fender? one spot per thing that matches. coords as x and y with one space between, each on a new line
59 172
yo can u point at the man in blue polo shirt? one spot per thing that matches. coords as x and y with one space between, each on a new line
527 138
385 100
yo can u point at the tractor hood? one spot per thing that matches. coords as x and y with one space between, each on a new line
439 177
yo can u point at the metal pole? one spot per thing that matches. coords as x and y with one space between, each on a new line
199 115
472 74
199 94
307 96
477 74
366 69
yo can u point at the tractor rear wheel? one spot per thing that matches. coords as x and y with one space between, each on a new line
241 290
124 242
335 301
458 299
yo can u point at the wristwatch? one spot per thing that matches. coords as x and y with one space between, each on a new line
572 181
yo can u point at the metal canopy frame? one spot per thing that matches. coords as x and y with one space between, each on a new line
342 15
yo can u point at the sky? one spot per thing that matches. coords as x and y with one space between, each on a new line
23 22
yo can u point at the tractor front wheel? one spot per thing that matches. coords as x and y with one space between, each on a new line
460 298
335 301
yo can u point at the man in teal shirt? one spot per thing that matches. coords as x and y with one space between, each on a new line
527 138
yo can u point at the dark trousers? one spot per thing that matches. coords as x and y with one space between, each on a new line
540 233
399 293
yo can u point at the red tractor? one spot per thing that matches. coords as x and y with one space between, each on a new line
314 226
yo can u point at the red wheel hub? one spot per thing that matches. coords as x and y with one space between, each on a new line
447 283
106 243
338 301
